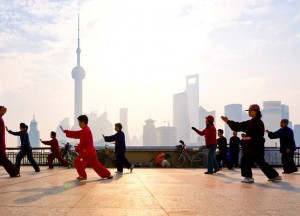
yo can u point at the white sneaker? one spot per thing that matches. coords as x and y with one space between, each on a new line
131 168
277 178
248 180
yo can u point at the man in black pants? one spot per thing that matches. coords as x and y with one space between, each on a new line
287 146
254 149
120 148
8 166
222 147
234 146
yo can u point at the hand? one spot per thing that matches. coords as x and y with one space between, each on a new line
267 131
246 138
62 129
6 128
103 136
41 140
193 128
224 118
288 151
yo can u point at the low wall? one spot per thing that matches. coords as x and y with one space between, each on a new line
142 156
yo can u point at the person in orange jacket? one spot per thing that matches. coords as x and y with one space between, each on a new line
87 152
55 151
161 160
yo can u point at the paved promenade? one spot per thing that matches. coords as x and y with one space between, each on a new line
153 192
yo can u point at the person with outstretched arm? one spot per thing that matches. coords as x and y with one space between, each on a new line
120 148
287 146
210 134
26 149
255 149
87 152
55 151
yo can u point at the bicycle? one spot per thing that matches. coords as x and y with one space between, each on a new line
103 156
69 153
198 159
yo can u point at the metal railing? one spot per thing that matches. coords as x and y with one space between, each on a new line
272 155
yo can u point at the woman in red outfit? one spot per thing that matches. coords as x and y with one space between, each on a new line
87 152
55 152
210 135
7 164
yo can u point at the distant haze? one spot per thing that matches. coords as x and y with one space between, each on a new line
136 54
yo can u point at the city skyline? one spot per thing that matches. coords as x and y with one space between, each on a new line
138 54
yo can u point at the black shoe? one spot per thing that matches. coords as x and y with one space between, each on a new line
210 173
15 176
216 171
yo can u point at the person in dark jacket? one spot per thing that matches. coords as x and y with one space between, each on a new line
26 149
255 150
287 146
211 143
120 148
234 146
55 151
7 164
223 149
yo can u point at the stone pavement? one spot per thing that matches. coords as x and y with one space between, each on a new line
154 192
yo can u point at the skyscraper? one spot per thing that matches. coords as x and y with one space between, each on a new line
233 112
166 136
149 133
186 110
297 134
34 134
124 122
271 116
78 74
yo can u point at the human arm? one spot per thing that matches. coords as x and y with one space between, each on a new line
73 134
46 142
14 133
235 126
201 133
273 135
110 138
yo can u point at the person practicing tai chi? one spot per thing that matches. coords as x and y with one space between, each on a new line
26 149
55 151
120 148
210 134
87 152
7 164
287 146
254 149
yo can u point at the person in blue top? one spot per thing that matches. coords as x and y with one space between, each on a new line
287 146
120 148
25 147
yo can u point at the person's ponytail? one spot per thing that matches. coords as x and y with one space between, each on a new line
24 126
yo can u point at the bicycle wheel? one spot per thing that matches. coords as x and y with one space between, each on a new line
199 159
177 159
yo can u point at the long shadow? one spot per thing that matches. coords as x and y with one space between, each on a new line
281 185
40 192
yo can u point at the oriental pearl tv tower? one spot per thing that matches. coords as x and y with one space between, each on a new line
78 75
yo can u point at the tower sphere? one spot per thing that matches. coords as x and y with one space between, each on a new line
78 72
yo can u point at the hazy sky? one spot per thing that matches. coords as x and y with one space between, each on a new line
136 54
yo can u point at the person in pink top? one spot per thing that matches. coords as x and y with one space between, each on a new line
87 152
210 135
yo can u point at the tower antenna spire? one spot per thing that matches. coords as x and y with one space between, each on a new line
78 51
